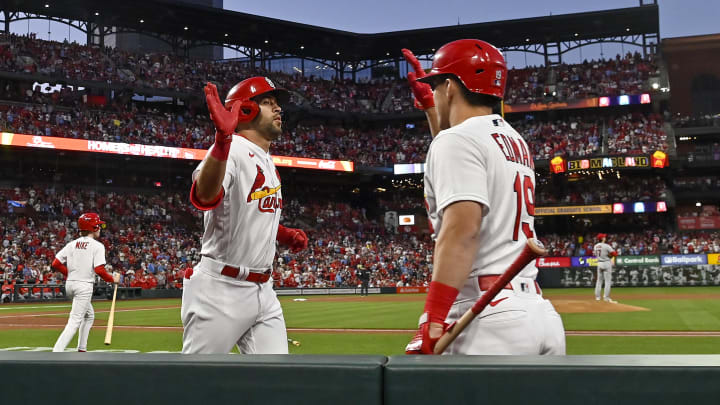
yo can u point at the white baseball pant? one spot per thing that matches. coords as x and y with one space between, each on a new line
82 315
516 322
604 272
219 312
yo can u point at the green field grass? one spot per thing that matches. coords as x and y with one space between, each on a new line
664 314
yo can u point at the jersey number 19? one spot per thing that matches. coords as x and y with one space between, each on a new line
525 191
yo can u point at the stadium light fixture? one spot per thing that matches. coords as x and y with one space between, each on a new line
266 41
576 34
655 86
97 13
627 29
47 5
185 28
527 39
337 53
698 204
226 34
142 21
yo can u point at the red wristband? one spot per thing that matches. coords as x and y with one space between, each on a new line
100 271
59 266
439 300
220 151
205 207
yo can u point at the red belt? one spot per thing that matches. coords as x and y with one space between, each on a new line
233 272
485 282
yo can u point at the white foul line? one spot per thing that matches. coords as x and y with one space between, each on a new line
97 312
607 333
42 306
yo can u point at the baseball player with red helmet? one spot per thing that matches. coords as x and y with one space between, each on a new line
480 197
605 255
228 297
79 261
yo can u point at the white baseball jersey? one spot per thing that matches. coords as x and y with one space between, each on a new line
81 257
241 231
485 160
602 251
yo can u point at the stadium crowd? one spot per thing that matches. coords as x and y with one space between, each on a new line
647 242
152 239
71 61
704 120
383 146
610 190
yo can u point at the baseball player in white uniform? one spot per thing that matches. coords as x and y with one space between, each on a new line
480 197
80 260
605 255
228 297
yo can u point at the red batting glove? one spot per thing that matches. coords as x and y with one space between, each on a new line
226 120
440 299
295 239
422 343
422 91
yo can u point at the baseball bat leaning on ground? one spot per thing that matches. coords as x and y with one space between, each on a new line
533 249
111 318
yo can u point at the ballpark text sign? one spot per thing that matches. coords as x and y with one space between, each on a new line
674 260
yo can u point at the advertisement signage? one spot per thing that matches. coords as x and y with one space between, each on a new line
584 261
553 262
681 260
168 152
411 290
637 260
713 258
584 103
574 210
687 223
608 162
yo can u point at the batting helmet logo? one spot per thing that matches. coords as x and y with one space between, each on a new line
90 221
248 89
479 66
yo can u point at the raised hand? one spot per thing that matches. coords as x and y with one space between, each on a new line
422 91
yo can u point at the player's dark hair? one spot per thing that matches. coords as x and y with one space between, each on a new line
477 99
85 233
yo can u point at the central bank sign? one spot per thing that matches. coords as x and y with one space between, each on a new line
637 260
608 162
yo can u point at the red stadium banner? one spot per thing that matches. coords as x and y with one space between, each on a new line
411 290
689 223
585 103
168 152
320 164
553 262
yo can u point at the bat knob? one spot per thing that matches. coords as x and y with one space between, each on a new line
537 246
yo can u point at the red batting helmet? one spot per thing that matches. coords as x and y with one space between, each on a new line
601 236
90 221
250 88
479 66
